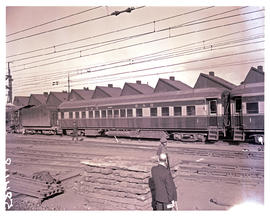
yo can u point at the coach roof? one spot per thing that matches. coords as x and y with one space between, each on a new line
150 98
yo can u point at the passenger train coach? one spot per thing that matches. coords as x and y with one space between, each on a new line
205 112
193 115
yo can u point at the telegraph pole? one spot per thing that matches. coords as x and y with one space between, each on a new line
9 87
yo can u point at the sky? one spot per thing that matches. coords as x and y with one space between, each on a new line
168 41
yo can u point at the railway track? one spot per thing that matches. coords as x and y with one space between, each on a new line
53 155
195 151
190 170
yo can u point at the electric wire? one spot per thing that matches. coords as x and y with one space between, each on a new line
109 42
111 32
145 69
63 27
151 54
160 73
146 42
52 21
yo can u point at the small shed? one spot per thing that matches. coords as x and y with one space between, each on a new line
81 94
165 85
136 88
210 80
103 92
255 75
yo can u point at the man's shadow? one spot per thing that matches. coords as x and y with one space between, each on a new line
152 189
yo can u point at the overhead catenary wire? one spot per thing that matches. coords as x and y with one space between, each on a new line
52 21
66 26
183 52
64 71
111 32
151 41
109 42
177 71
224 64
181 63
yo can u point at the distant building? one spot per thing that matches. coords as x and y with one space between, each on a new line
20 100
165 85
81 94
38 99
103 92
136 88
56 98
207 81
254 75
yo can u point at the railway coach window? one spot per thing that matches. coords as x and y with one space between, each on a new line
116 113
123 113
252 108
77 115
177 111
103 113
97 114
238 105
153 111
109 113
129 113
213 106
165 111
138 112
190 110
83 115
71 115
91 114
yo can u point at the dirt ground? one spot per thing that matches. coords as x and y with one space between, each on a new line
193 194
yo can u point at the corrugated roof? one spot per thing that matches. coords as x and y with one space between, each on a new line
110 91
40 97
62 96
178 85
85 94
140 88
22 99
218 80
254 75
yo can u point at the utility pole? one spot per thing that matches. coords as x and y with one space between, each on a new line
9 87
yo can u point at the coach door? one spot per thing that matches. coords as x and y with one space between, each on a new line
238 115
212 113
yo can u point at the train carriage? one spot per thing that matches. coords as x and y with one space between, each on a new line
185 115
247 104
39 119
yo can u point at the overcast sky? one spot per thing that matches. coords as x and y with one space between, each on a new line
162 45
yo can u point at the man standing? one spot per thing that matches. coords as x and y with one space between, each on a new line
165 190
162 149
75 132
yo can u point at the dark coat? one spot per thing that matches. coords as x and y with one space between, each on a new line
165 190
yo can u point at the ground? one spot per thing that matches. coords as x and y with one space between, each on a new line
60 155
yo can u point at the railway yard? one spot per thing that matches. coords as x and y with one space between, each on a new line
114 174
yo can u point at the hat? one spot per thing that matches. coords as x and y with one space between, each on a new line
162 157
